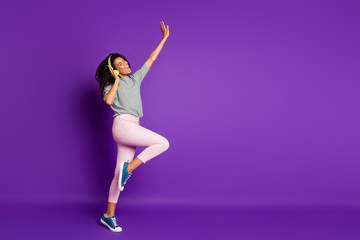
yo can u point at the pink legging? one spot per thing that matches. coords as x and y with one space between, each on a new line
128 134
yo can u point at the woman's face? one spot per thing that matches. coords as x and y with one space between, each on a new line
122 66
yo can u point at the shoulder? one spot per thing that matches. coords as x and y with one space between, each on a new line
108 87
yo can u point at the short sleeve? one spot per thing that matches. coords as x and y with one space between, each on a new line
140 74
107 89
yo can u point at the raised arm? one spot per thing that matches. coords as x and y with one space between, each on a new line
155 53
110 96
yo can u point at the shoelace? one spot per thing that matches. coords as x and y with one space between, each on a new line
113 221
127 178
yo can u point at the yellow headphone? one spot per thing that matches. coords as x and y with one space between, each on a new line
109 62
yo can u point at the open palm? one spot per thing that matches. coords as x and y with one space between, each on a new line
165 30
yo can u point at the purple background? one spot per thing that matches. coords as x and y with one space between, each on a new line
258 99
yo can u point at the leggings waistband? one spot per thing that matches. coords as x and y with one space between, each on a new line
128 117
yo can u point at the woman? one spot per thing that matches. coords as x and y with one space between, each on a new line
122 93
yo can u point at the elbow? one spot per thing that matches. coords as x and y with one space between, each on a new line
108 102
152 58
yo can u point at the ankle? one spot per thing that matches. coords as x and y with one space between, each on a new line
107 215
129 169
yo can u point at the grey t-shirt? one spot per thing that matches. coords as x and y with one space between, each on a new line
128 98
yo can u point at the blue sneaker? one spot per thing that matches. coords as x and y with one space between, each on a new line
110 223
124 175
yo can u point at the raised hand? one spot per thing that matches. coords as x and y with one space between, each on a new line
165 30
113 73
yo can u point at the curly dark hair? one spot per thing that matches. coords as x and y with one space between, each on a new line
103 75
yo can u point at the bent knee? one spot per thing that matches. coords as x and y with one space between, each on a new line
166 143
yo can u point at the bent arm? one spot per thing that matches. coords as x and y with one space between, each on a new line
110 96
156 52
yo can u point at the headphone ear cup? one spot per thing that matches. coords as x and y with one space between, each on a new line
109 63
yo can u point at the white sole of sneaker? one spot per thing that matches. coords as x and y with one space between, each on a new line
119 229
120 176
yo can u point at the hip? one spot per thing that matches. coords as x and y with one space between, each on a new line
129 117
